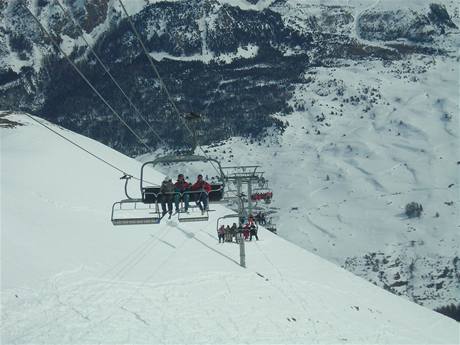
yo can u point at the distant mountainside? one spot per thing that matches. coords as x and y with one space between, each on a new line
350 107
234 61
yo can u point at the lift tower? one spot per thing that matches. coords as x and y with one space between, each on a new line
240 176
244 175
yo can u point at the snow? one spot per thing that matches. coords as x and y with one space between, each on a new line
312 16
248 52
70 276
67 44
383 4
296 13
208 56
248 6
131 6
342 193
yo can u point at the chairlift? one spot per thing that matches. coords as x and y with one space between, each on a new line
238 235
227 216
262 182
129 212
262 194
146 210
151 194
193 214
132 211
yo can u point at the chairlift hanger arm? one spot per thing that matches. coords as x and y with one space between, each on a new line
243 173
242 167
178 159
246 169
235 215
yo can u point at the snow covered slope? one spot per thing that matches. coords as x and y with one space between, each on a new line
364 140
69 276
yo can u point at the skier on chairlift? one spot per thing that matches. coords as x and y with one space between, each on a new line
246 232
181 188
167 192
221 233
201 188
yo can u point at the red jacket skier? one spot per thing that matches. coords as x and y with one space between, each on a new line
201 189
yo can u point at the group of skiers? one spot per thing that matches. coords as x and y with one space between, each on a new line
260 218
182 190
267 196
228 233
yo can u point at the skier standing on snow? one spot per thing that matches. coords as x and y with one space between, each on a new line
253 231
228 234
246 232
262 219
233 231
221 233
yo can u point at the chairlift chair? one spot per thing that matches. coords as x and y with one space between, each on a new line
151 194
264 194
132 211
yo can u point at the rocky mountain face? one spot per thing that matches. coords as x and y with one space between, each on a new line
235 65
400 273
240 64
386 25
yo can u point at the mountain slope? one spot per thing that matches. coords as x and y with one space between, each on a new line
236 62
355 102
69 276
362 143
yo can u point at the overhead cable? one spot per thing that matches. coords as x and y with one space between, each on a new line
106 69
82 148
163 85
86 79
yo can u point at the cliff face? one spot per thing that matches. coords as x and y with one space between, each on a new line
405 23
425 280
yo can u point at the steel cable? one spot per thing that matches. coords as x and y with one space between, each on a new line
108 72
86 79
163 85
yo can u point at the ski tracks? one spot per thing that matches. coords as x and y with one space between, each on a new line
292 289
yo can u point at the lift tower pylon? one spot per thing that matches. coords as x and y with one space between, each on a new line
244 175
